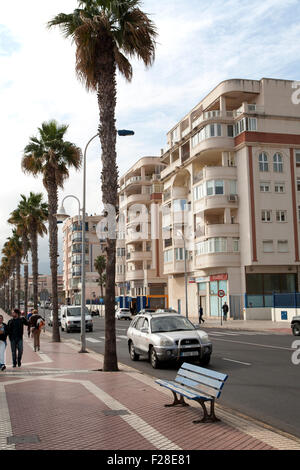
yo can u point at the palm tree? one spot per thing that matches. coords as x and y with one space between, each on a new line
5 271
19 221
8 252
100 266
35 213
106 33
51 156
17 252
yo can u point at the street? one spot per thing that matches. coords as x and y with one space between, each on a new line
263 383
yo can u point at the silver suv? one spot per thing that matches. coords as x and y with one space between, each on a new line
165 337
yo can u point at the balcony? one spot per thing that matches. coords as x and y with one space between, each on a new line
139 256
247 108
207 116
218 230
135 275
170 169
141 198
215 260
216 202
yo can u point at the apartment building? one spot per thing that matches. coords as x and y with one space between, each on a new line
44 286
139 269
72 258
232 195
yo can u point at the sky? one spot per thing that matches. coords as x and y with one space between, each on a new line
201 43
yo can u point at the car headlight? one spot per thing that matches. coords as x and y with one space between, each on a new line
204 338
166 342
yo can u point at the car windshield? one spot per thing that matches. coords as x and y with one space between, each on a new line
168 324
124 310
76 312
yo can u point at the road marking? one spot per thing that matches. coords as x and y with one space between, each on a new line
5 422
122 337
93 340
238 362
253 344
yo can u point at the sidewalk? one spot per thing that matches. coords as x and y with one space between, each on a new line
59 400
250 325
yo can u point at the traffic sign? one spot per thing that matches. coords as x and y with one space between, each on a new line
221 294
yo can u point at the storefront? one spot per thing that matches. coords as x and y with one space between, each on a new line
217 283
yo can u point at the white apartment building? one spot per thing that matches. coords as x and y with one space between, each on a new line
139 269
233 168
72 256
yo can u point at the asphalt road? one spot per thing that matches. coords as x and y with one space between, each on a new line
263 382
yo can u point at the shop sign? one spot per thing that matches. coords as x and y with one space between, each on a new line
219 277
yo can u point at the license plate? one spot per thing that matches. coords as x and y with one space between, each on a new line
189 353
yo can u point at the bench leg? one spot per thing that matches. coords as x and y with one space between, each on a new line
207 418
177 402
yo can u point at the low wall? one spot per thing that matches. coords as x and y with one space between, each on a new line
258 313
284 314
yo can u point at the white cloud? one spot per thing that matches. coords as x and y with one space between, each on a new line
201 43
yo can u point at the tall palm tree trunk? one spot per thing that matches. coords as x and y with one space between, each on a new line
53 251
26 288
7 302
35 263
18 282
13 292
107 92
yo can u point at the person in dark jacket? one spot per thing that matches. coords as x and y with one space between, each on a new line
225 309
201 319
15 332
3 343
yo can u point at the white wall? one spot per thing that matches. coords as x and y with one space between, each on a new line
292 312
258 313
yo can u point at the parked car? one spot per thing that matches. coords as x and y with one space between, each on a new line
50 319
146 310
95 313
167 337
123 314
166 310
296 326
71 318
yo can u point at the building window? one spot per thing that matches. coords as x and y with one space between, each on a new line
211 130
168 256
179 254
213 245
236 245
179 205
297 155
268 246
278 163
265 187
233 187
263 162
281 216
266 216
230 131
283 246
279 188
245 124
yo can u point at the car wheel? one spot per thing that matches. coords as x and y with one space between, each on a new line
205 360
153 359
133 355
296 329
67 330
62 328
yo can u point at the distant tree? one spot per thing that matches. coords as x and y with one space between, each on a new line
100 266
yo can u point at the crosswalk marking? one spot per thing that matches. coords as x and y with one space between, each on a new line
93 340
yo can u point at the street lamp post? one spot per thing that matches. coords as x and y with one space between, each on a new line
185 275
62 216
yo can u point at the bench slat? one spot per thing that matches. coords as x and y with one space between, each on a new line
182 390
217 384
206 372
199 388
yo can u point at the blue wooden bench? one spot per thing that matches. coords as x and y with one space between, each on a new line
198 384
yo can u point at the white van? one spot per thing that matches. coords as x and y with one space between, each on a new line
71 318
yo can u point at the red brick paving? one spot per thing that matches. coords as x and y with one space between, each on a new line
67 416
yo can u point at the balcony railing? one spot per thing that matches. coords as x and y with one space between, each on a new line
167 195
198 177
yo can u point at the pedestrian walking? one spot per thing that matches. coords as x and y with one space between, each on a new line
225 311
201 319
35 325
3 343
15 328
